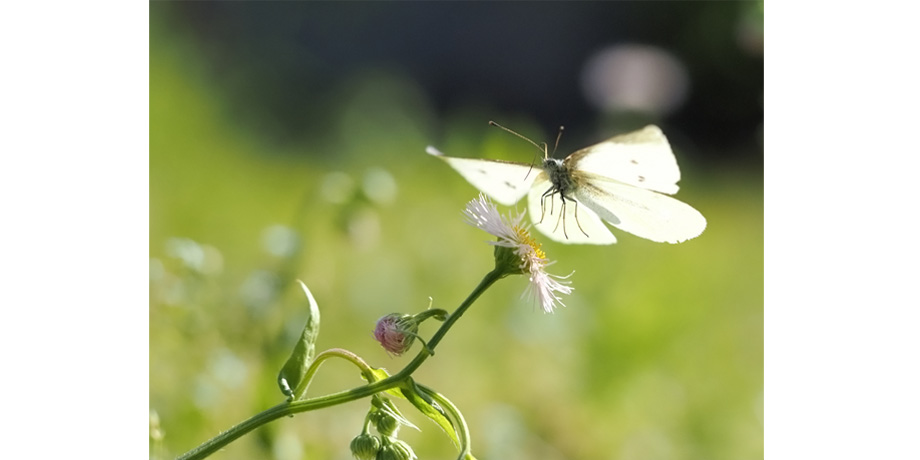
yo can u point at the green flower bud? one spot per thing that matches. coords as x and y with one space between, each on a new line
394 449
365 446
385 422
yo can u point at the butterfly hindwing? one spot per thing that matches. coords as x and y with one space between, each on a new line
643 213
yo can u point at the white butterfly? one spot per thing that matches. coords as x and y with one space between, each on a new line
618 180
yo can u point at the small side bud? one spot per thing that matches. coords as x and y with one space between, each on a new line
365 446
394 449
385 422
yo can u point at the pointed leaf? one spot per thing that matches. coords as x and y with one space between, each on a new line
304 351
455 417
430 408
377 374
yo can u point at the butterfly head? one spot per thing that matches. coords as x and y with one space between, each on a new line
552 164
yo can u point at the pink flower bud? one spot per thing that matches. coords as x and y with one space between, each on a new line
396 332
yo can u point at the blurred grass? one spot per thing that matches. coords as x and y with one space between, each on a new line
659 353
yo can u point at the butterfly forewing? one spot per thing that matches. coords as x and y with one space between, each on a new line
506 182
642 159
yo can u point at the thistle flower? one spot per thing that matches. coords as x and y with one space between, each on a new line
396 332
517 252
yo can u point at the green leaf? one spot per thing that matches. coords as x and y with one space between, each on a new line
378 374
423 402
375 375
304 351
456 418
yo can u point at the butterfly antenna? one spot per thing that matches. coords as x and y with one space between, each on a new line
558 136
528 172
542 149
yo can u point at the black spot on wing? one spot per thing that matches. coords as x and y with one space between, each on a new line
510 185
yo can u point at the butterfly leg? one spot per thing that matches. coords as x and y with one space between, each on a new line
548 193
561 218
583 232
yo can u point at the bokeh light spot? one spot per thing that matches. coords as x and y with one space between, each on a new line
337 187
380 186
635 78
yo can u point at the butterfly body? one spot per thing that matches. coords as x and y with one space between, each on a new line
559 176
562 183
623 181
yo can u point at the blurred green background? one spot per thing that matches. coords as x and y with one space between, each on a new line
287 142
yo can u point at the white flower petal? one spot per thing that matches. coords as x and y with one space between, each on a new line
483 214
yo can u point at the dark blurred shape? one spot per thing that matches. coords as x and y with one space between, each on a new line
280 63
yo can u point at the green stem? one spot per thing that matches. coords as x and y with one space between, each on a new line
486 282
301 389
293 407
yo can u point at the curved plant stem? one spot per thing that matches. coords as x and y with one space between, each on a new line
301 389
293 407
